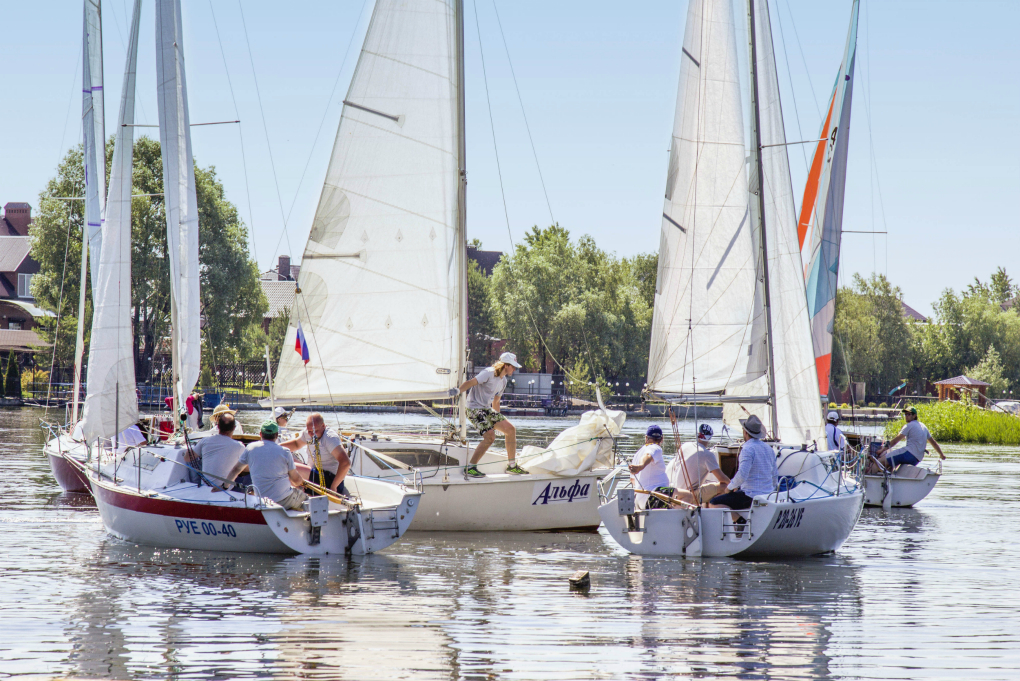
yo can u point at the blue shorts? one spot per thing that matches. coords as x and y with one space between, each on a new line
904 457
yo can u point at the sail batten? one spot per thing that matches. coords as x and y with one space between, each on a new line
111 403
379 297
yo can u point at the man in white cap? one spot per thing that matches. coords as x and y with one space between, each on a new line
757 472
484 391
834 437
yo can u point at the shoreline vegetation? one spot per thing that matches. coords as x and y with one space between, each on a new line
955 422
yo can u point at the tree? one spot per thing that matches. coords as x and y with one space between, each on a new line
12 381
480 322
990 370
232 299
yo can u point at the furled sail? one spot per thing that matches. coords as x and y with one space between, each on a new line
110 402
94 128
381 298
179 195
706 330
798 405
821 213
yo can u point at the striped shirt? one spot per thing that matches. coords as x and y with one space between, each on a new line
757 472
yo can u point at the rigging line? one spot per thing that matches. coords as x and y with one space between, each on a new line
70 104
523 114
265 128
793 94
240 132
814 97
506 212
60 307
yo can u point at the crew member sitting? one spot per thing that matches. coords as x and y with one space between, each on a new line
699 461
917 436
272 469
757 472
326 454
224 408
282 418
648 470
217 455
834 437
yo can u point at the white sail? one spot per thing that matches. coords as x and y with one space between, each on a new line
703 334
179 195
95 130
381 301
110 402
798 404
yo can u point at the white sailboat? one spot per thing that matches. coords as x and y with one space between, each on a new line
730 322
381 297
142 489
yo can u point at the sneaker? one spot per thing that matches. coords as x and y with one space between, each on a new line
473 472
514 469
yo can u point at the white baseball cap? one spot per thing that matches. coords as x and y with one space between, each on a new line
278 412
509 358
832 416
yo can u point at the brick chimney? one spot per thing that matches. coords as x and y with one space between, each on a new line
17 216
283 268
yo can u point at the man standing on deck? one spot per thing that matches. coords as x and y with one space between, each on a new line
272 469
917 436
834 437
326 454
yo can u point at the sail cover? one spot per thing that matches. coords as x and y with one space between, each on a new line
821 214
797 399
110 401
704 332
93 130
380 299
179 195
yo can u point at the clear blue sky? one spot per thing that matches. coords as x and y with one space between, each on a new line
598 81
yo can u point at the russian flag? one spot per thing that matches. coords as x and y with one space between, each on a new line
301 345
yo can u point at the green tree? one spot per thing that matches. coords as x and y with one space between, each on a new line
12 381
480 322
232 300
990 370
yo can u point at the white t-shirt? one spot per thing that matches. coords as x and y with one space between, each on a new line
269 464
219 455
917 435
327 443
700 461
654 474
834 436
489 385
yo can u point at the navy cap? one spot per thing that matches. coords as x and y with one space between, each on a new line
705 431
654 431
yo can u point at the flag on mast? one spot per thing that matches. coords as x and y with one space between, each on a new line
301 345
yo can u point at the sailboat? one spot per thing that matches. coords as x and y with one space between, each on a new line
820 231
730 319
143 489
381 298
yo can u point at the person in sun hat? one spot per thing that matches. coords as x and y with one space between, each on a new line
648 470
834 437
224 408
757 472
273 473
917 437
700 462
483 393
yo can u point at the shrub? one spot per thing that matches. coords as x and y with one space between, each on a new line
12 382
871 404
844 406
959 422
884 405
832 405
36 376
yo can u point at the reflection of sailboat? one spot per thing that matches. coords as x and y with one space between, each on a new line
381 299
730 319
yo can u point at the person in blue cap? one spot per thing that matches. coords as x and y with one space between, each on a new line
648 469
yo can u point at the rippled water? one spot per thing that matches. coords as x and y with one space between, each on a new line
916 593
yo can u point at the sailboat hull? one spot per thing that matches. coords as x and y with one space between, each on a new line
905 487
66 458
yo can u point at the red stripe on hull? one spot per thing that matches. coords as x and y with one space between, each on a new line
69 477
178 509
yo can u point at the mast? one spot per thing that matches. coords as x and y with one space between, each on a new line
462 331
759 191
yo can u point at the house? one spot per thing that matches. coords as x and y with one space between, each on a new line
486 260
911 313
951 388
279 285
18 312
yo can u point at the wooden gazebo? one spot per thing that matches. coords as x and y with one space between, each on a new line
951 388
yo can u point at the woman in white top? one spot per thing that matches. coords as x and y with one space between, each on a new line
648 468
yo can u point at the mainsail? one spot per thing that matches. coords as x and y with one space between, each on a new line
110 403
381 298
706 330
821 215
798 408
179 196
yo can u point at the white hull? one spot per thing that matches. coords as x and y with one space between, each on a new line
499 502
905 487
774 529
183 515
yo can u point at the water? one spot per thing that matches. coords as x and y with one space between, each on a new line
916 593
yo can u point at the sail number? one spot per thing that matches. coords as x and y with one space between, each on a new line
208 529
790 517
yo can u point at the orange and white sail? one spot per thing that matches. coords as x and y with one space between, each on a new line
821 217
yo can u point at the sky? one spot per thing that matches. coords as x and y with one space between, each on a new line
934 151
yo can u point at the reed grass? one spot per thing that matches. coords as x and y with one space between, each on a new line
959 422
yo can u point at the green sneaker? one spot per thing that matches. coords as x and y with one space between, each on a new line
473 472
514 469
